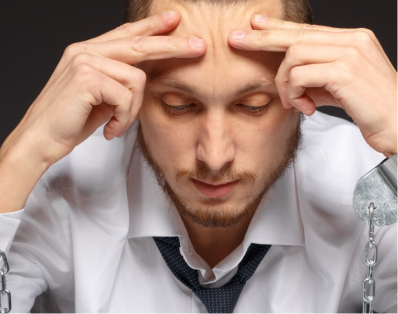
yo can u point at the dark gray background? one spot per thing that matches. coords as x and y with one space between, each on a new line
33 35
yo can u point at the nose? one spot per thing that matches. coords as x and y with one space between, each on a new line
215 147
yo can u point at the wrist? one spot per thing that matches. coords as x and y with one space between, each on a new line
388 139
391 149
20 169
389 154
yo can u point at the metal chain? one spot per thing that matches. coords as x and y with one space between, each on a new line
3 273
369 284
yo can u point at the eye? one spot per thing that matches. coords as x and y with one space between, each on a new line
179 109
254 110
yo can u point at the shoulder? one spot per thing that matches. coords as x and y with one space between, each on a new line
332 158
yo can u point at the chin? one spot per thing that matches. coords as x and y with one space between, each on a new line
214 212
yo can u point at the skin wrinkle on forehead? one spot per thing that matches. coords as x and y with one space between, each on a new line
213 28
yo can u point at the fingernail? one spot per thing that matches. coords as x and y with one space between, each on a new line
169 15
238 34
196 42
260 18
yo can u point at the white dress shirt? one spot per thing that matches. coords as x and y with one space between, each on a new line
84 240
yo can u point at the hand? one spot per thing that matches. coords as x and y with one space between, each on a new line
346 68
95 83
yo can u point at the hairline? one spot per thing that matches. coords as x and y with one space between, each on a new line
290 10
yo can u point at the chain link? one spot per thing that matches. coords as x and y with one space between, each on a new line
3 273
369 284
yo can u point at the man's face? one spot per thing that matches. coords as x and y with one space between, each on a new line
213 128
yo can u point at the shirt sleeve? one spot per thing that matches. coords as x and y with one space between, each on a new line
37 250
9 223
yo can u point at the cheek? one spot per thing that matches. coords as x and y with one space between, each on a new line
261 142
278 125
171 143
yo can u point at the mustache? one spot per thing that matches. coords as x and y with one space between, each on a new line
204 173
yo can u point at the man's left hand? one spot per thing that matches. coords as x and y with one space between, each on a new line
346 68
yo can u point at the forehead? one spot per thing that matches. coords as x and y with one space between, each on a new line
211 8
213 21
209 18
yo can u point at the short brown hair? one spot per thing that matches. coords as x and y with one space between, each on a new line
295 10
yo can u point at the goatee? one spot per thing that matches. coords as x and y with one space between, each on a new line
211 217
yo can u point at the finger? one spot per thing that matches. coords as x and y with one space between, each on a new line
125 74
122 105
98 116
281 40
261 22
264 22
153 25
98 88
133 79
130 77
141 48
138 97
305 77
305 105
303 54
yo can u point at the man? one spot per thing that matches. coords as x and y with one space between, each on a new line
218 87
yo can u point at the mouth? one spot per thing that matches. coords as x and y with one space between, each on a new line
215 190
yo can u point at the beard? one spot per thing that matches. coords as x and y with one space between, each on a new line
210 217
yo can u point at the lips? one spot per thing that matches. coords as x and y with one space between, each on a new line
214 191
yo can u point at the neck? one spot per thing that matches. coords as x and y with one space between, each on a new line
215 244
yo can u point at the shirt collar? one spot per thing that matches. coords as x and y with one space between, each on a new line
277 220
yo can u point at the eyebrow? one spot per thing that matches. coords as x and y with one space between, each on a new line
191 89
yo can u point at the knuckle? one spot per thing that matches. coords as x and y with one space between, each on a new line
140 77
297 34
129 97
174 42
80 59
351 52
363 37
368 32
295 50
344 71
124 29
137 44
174 46
262 35
74 49
292 100
85 74
295 76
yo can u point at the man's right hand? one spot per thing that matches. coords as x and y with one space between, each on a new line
93 83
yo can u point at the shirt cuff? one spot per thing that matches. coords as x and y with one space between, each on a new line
9 223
